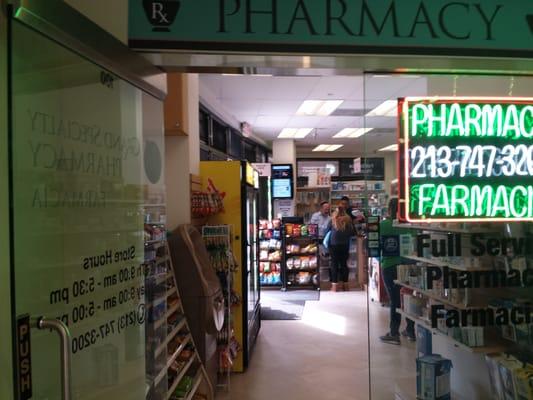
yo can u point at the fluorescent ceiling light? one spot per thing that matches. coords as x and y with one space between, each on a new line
352 132
294 133
258 75
392 147
388 108
320 108
328 147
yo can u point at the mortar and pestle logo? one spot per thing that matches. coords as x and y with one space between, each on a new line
161 13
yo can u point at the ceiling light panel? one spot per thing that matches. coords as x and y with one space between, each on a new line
328 147
320 108
392 147
388 108
294 133
352 132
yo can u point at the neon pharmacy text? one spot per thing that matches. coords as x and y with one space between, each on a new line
432 200
479 120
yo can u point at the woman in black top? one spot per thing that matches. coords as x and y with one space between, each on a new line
339 246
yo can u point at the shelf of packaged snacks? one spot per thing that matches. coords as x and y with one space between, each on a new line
301 254
301 237
302 286
160 299
440 228
162 278
433 296
314 269
496 347
196 384
170 336
180 377
155 223
161 320
438 263
172 358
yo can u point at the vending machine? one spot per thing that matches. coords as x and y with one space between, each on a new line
238 184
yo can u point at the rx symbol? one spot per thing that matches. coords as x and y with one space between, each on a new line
158 14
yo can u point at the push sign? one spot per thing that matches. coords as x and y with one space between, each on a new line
23 368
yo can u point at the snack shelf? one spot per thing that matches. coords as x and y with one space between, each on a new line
314 269
293 243
433 296
163 319
170 336
196 384
155 241
495 347
180 376
172 358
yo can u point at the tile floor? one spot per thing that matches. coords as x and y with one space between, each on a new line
325 355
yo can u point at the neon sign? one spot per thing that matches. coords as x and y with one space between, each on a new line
466 159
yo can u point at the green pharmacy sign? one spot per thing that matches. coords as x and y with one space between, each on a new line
434 27
466 159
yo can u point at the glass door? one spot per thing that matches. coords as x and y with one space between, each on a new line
77 166
455 278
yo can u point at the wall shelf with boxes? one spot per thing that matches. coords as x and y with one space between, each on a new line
308 200
368 196
173 369
300 256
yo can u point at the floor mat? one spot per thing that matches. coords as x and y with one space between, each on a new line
289 305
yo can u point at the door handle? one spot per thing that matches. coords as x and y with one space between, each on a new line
65 344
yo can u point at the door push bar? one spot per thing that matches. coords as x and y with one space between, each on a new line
65 344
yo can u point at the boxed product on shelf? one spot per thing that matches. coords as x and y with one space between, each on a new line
424 341
493 365
433 377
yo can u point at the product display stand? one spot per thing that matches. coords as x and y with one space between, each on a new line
218 244
270 253
300 257
173 367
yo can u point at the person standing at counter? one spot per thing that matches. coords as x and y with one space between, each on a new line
342 230
322 218
390 258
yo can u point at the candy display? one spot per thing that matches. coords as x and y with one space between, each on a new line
270 252
301 255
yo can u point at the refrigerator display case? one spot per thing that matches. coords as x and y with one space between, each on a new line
238 183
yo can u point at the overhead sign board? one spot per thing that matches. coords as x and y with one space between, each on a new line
466 159
436 27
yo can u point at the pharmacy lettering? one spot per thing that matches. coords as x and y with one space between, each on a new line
406 26
466 159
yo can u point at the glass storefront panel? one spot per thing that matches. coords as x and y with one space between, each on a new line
77 192
457 270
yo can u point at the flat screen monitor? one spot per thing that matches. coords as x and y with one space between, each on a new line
282 181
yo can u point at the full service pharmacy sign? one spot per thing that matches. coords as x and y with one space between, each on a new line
466 159
437 27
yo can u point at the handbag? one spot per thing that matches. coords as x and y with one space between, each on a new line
326 240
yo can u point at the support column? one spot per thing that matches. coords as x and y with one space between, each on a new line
284 152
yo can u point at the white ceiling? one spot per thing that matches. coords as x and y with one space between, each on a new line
269 103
